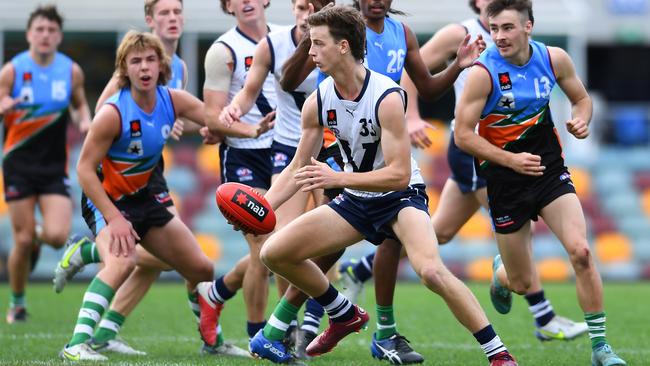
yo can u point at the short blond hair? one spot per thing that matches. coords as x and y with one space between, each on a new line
149 5
140 41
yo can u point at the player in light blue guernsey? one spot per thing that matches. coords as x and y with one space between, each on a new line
464 192
36 89
165 19
122 149
383 192
245 154
507 95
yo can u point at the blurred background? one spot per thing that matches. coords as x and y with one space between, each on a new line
609 41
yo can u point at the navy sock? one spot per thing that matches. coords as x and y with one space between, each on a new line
313 314
540 308
490 342
338 307
363 269
253 328
219 292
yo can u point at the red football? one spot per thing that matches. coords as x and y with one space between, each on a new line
245 208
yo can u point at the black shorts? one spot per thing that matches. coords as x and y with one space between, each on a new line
463 170
251 167
18 186
158 185
513 204
332 156
142 211
372 216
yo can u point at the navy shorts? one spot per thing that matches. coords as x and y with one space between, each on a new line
463 170
372 216
251 167
142 211
18 186
158 185
513 204
281 156
332 156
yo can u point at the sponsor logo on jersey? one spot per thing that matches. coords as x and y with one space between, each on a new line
135 128
244 174
331 118
250 204
27 76
504 81
248 62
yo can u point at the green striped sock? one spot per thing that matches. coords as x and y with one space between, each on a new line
279 321
596 324
96 300
109 327
386 326
17 299
193 300
89 253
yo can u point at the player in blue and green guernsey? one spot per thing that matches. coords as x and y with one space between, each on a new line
123 146
36 89
507 94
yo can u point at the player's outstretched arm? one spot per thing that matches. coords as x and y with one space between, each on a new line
568 80
310 143
468 112
297 67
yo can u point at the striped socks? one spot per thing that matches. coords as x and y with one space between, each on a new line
596 324
95 301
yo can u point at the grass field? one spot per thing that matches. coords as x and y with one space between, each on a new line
163 326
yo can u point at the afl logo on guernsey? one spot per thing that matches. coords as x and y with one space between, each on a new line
248 62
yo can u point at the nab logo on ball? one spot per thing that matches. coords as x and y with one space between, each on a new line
250 204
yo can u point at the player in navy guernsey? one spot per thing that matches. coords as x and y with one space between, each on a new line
383 193
507 94
36 89
245 154
122 149
465 192
391 47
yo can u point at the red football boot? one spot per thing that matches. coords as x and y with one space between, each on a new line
503 359
210 312
327 340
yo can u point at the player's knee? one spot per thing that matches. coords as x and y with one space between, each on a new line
520 286
268 257
433 277
24 239
55 237
444 236
580 255
122 266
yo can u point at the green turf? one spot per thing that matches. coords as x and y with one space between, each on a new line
163 326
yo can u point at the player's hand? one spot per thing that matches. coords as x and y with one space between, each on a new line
318 5
527 164
417 129
177 129
578 128
210 138
7 103
467 53
229 115
316 175
122 237
264 125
